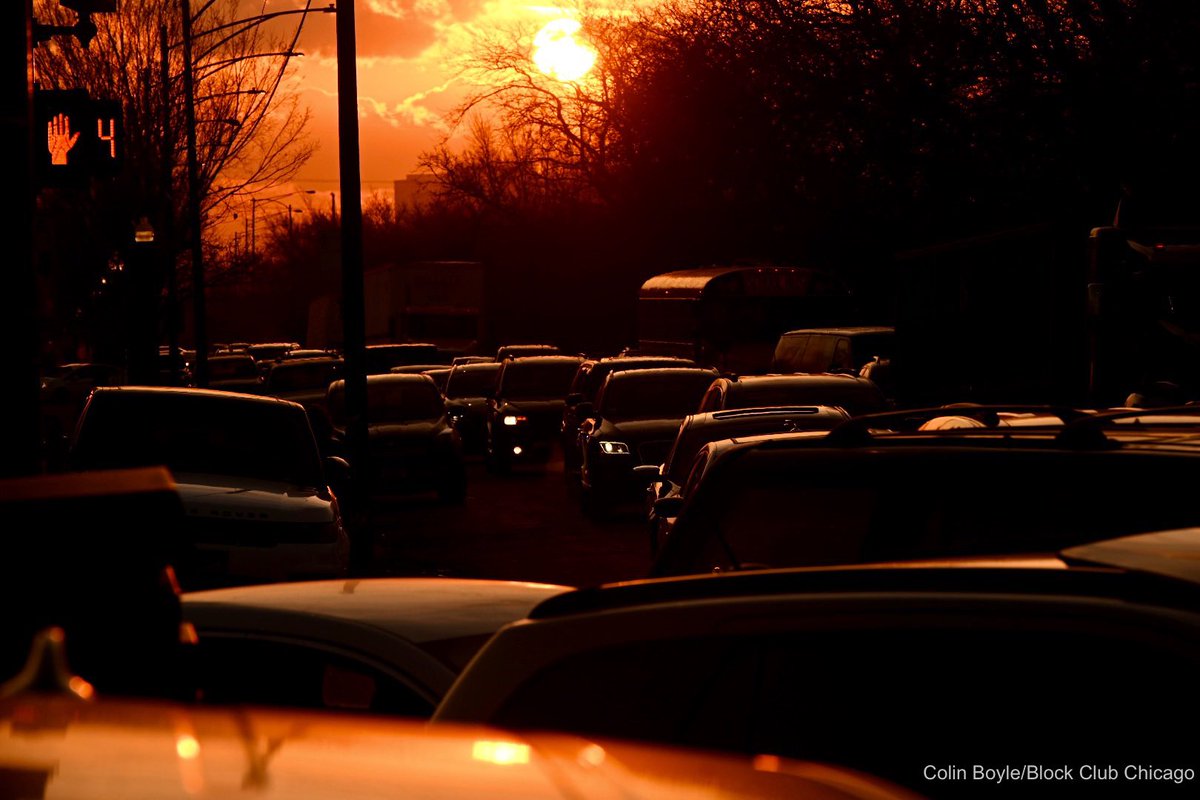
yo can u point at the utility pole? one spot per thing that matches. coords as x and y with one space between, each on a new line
353 302
199 313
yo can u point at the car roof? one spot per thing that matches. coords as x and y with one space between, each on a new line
859 330
535 360
131 748
213 395
617 376
799 378
1164 566
417 609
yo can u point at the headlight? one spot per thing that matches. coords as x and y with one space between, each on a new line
614 448
512 419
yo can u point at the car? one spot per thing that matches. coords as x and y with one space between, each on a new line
525 410
264 353
304 380
912 671
586 384
382 357
471 360
253 485
845 349
236 373
522 350
58 745
856 395
633 422
696 430
411 445
440 375
866 491
402 641
468 389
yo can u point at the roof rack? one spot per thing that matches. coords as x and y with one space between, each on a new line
1086 431
856 431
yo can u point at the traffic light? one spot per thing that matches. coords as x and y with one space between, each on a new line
75 137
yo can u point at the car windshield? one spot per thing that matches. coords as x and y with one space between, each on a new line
303 377
653 395
477 381
199 434
392 401
857 397
227 369
537 380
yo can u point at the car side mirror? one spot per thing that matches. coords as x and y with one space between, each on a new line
668 506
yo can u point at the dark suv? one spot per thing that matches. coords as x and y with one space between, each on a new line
585 387
634 421
525 411
867 491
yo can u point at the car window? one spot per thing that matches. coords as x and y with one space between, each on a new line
300 377
653 395
475 382
536 381
198 434
843 508
236 670
885 698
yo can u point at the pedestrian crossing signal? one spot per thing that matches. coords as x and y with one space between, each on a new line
76 137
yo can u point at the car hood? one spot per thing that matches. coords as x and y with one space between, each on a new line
225 497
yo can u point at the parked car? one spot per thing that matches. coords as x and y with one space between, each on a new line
899 670
382 357
586 385
696 430
411 445
634 421
525 412
865 492
253 486
522 350
304 381
471 360
58 746
394 645
236 373
856 395
468 389
832 349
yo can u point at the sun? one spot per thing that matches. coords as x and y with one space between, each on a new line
557 53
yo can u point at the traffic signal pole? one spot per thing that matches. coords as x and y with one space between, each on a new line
18 301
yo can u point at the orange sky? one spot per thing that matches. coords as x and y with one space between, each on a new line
406 55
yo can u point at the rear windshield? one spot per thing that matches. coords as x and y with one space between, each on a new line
219 436
475 382
301 377
227 369
392 401
382 358
653 395
597 374
537 380
857 397
772 508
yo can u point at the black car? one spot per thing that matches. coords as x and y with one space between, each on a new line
525 350
856 395
634 421
586 385
525 411
411 445
468 389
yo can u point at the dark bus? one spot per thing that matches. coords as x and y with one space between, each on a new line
731 317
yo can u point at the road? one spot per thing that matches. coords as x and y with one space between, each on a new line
524 526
